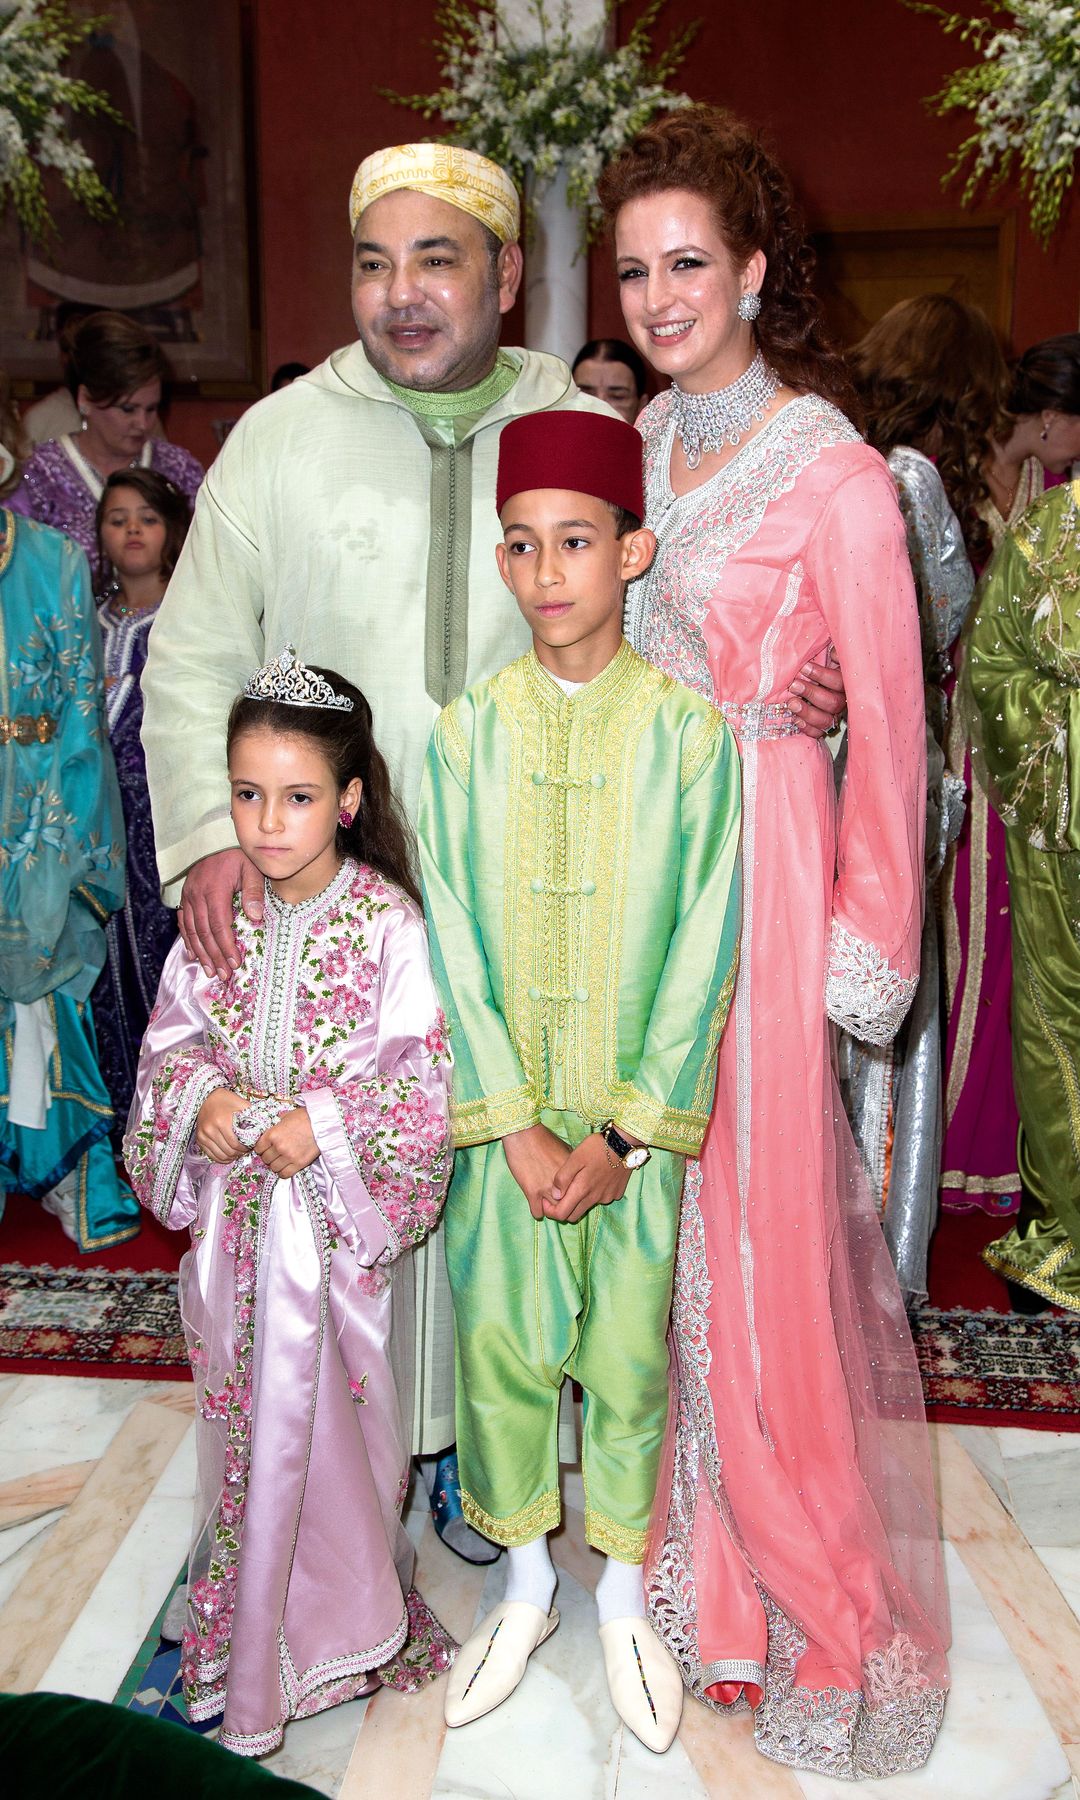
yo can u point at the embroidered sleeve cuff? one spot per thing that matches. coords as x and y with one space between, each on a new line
158 1166
494 1116
661 1127
353 1213
863 992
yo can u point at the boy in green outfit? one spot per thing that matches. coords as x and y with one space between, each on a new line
579 830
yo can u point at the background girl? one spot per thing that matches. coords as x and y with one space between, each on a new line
315 1082
142 520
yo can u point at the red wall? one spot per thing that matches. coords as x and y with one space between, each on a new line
838 83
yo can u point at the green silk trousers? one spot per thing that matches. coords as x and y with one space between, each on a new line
536 1301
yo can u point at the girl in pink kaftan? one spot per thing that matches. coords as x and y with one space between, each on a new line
300 1582
794 1561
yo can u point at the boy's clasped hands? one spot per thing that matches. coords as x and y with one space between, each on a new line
560 1183
284 1148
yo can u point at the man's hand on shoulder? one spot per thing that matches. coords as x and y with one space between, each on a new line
816 698
205 914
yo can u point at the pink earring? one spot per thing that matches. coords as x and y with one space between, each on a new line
345 818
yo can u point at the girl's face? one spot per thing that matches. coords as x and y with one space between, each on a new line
285 805
132 533
680 289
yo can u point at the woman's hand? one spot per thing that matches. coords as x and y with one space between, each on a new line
213 1127
592 1175
288 1146
534 1156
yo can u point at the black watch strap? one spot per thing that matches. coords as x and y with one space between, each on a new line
615 1141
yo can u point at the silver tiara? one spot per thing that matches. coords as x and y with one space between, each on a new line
291 683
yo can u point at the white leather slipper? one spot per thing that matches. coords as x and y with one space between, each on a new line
491 1663
643 1680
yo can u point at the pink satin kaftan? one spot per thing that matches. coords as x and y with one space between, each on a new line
300 1575
794 1560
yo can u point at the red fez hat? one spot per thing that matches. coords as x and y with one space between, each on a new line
586 452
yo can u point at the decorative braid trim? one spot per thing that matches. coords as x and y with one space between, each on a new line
206 1706
863 992
529 1522
664 1127
1039 1280
454 743
614 1540
202 1084
492 1116
252 1743
698 749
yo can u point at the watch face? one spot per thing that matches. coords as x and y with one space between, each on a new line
636 1157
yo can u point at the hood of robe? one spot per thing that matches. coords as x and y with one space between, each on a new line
543 381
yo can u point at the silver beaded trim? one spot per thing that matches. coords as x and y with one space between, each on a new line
712 421
291 683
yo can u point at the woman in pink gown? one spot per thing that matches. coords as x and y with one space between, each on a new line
794 1563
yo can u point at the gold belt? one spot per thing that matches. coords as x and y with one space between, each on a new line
24 728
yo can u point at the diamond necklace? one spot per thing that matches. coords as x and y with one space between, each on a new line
711 421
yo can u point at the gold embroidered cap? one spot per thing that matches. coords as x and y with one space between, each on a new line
448 172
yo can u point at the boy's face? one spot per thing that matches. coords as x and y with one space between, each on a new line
566 568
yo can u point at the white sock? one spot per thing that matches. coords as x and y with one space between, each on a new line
531 1575
620 1591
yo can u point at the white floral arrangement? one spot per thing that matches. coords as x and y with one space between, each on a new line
1023 97
560 103
36 36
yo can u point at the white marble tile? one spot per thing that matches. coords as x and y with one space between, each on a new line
644 1776
996 1743
1017 1441
982 1445
317 1751
1062 1562
8 1387
19 1544
1042 1472
54 1419
98 1650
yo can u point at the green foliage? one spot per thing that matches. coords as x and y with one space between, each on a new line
36 37
1023 97
558 103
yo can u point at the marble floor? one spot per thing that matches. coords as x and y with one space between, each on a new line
95 1495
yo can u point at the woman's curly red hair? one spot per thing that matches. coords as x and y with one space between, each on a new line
708 151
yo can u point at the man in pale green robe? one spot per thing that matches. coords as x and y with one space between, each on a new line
353 514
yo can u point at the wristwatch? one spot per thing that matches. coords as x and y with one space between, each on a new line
635 1156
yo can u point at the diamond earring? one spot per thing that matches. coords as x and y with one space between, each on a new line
345 818
749 306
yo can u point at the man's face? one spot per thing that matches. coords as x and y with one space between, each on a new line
427 296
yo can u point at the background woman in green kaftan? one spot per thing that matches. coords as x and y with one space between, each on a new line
1023 677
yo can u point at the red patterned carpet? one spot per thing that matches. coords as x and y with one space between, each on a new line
111 1313
115 1314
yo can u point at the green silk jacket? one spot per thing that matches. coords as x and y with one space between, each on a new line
580 858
